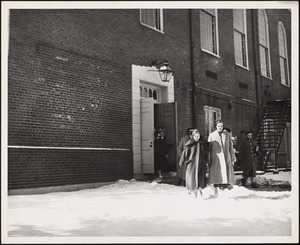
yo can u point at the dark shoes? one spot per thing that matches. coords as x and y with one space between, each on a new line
244 181
254 185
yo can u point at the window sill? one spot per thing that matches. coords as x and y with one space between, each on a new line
208 52
267 77
246 68
285 85
152 28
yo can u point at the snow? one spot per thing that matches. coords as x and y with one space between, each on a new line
138 210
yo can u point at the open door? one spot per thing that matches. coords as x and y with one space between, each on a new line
147 135
166 116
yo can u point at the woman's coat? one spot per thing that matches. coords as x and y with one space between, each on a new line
160 152
248 156
181 170
193 163
221 158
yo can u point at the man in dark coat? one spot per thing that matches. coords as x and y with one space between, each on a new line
248 154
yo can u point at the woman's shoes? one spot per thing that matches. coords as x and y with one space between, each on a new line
244 181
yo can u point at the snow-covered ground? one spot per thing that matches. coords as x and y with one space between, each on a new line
139 211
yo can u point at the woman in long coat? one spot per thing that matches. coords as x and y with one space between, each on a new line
193 159
180 148
160 152
221 158
249 150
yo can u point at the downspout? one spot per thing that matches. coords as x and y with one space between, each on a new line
258 82
256 62
192 71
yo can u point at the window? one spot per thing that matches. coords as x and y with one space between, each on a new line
240 37
264 50
212 114
148 91
152 18
283 61
209 30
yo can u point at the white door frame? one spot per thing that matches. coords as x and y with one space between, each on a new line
142 74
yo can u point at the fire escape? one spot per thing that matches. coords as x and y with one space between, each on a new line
276 114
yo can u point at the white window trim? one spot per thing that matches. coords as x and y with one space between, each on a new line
268 40
161 22
286 50
217 36
211 109
246 41
157 88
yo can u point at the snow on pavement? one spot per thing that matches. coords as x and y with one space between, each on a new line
138 209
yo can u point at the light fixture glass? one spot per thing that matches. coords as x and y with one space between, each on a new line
165 72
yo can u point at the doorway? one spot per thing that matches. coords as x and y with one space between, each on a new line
153 116
152 106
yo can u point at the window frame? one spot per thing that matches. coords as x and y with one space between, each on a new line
265 48
217 54
209 113
245 39
155 92
287 75
161 30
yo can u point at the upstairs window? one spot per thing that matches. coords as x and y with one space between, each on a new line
240 37
209 30
264 50
283 61
152 18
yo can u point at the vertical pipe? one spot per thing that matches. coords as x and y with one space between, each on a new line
194 116
258 84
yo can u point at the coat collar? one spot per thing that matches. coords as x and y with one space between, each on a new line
222 134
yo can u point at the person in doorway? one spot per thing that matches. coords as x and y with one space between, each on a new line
180 148
249 150
193 159
221 158
160 151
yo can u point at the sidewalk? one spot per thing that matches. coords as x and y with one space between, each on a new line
268 181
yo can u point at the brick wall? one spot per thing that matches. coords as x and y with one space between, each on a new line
69 85
30 168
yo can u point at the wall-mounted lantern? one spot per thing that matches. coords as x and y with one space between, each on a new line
165 72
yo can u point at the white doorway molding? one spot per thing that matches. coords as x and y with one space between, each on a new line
142 74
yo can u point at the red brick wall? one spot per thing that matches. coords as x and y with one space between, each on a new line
69 85
31 168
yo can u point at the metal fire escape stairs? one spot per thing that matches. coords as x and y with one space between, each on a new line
271 130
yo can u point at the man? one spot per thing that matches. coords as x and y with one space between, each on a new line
248 153
180 148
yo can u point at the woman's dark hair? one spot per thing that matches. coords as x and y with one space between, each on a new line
249 131
188 131
218 121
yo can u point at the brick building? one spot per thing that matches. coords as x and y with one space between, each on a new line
84 94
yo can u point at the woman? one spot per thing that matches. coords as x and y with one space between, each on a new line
192 159
181 170
160 152
249 150
221 158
